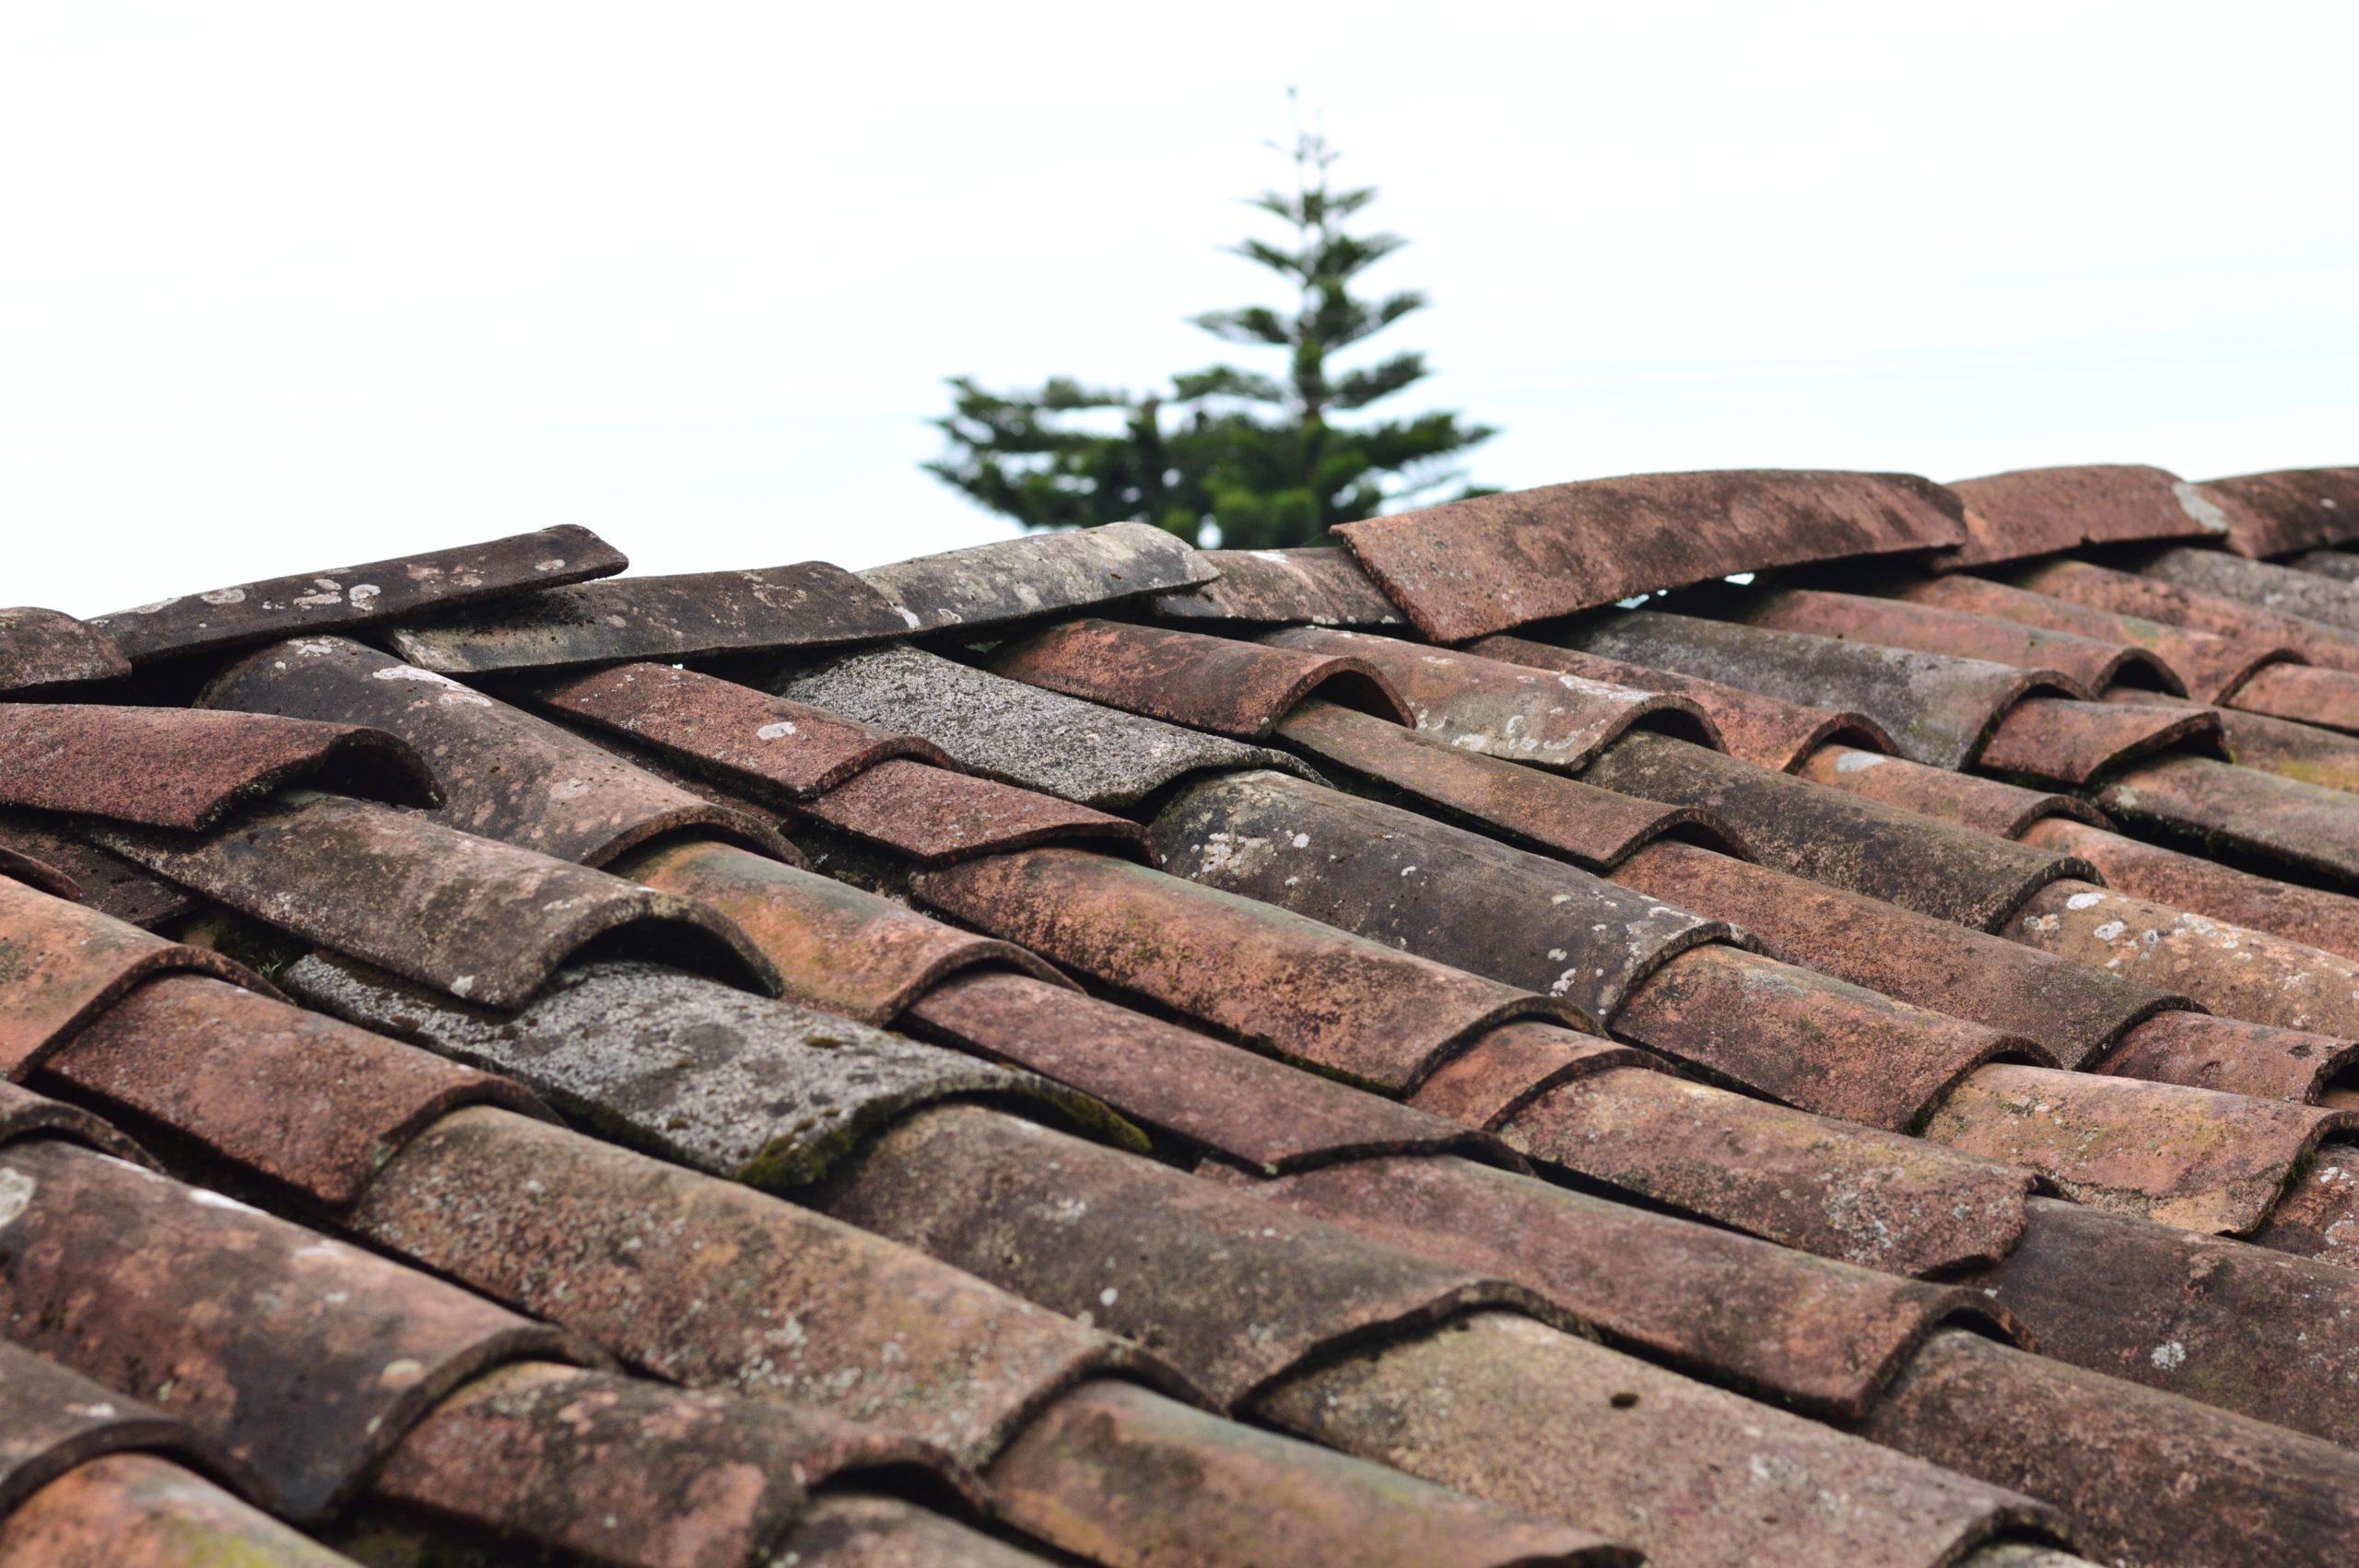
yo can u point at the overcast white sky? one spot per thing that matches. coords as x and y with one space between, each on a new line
285 286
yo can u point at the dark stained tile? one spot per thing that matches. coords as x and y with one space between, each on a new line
343 597
1765 730
2312 827
810 605
1408 883
505 774
1936 709
100 878
1496 562
746 1087
1038 574
305 1358
1806 829
1085 751
2092 663
473 917
1317 585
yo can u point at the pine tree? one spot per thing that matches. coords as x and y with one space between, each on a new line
1261 459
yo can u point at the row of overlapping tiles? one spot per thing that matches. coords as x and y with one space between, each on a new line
1414 957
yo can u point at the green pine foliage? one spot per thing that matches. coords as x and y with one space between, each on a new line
1266 460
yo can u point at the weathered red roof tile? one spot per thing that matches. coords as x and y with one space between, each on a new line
64 964
1821 1335
305 1358
1348 1005
810 605
1238 689
1495 562
1805 828
1042 739
52 1418
2310 915
1614 1431
1765 730
185 768
2262 1333
297 1097
2279 818
1130 1464
2230 970
1408 882
2206 666
2126 593
2041 512
1933 628
1544 718
2059 741
1246 1108
1963 800
1537 808
934 814
1318 585
1934 708
2304 694
834 946
767 746
2197 1159
2146 1476
343 598
1881 1199
476 917
1038 574
2073 1012
138 1511
2232 1055
45 647
1808 1039
621 1469
505 774
2287 509
2262 584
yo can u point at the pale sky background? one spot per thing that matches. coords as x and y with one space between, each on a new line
285 286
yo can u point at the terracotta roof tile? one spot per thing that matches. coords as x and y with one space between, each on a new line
40 648
1039 574
1318 1143
1513 712
1002 729
1496 562
1238 689
1936 709
343 598
2042 511
1320 586
2277 513
1765 730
